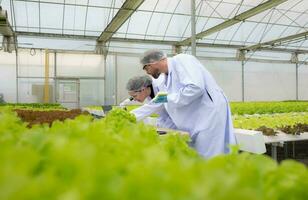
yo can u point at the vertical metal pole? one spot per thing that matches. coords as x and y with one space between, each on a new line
193 27
55 77
286 152
243 81
105 79
274 151
17 95
46 83
116 78
296 64
78 92
293 150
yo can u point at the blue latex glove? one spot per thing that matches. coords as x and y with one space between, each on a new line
161 97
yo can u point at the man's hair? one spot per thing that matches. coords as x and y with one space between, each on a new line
151 56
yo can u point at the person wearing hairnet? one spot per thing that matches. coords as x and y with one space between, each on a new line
142 88
193 100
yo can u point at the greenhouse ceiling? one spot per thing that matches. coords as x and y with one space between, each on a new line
244 24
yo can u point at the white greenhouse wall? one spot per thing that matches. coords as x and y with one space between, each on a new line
127 67
303 82
80 65
31 70
110 80
264 81
34 65
8 76
269 81
27 93
91 92
228 75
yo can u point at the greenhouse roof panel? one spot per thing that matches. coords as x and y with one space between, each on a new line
51 16
167 20
26 14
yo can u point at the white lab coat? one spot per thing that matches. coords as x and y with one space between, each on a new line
128 102
149 108
196 104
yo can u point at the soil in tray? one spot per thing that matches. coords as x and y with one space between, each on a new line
266 131
295 129
41 117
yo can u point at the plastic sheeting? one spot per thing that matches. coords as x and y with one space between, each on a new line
269 81
161 20
8 76
88 69
127 67
80 65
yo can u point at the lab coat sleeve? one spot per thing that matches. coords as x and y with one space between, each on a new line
125 102
191 82
146 110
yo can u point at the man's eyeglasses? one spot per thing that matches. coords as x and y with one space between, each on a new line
147 65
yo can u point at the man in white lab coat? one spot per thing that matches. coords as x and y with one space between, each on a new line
144 88
193 100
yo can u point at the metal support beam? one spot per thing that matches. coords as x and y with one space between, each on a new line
243 80
240 56
46 77
116 100
101 48
127 9
55 77
17 88
238 18
159 42
55 35
193 27
274 150
297 66
7 32
8 43
294 59
105 82
279 42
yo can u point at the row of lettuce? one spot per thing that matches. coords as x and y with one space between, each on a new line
238 108
247 115
269 120
32 106
117 158
250 108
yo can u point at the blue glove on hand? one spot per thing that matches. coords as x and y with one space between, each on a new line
161 97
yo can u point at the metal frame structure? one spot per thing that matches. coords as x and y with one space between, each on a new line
279 42
127 9
158 42
130 6
56 78
238 18
7 32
